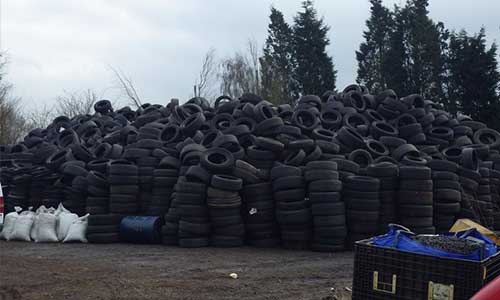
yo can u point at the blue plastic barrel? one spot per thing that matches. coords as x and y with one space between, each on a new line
140 229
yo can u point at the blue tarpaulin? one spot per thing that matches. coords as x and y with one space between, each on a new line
400 238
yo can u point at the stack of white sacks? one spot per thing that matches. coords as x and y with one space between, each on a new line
46 225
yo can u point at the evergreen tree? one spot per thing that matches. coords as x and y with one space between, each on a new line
373 51
415 63
277 65
474 78
315 71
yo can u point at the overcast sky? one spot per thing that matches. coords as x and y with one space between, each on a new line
56 45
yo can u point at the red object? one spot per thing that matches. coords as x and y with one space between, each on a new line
491 291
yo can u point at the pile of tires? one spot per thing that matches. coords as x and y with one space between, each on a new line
327 208
104 228
361 195
293 211
388 175
447 196
123 180
150 161
98 193
259 215
415 199
224 203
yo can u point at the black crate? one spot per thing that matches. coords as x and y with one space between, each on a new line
385 273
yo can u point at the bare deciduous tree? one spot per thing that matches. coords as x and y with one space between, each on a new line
127 87
76 103
240 73
203 86
12 123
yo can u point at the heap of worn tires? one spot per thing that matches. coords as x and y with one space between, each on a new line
329 171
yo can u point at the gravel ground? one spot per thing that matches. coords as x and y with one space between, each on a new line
123 271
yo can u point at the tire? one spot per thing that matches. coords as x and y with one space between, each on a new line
103 238
420 173
290 195
362 204
322 165
329 221
288 182
226 182
325 186
417 222
416 185
415 198
294 216
105 219
217 160
328 209
416 210
324 197
283 170
103 229
447 184
362 184
448 195
312 175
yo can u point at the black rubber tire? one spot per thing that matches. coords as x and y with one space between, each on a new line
317 174
290 195
329 221
415 198
217 160
416 185
103 238
288 182
325 186
362 184
328 209
324 197
363 204
283 170
416 210
105 219
226 182
411 172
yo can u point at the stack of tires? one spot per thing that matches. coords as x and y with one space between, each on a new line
194 221
224 205
484 197
387 174
447 194
123 178
75 176
469 181
495 197
327 207
163 182
146 167
293 211
19 192
415 201
41 178
346 168
164 195
361 195
258 212
98 193
104 228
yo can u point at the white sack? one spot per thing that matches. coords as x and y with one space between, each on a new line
64 220
78 230
22 227
9 223
46 232
34 228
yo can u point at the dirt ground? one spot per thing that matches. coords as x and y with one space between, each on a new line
124 271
